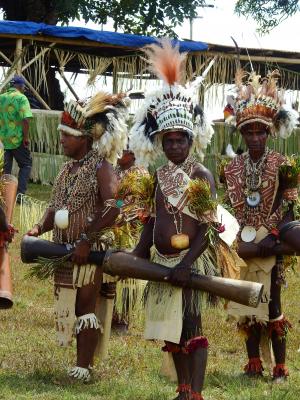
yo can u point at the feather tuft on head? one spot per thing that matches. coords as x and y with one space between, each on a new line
166 62
240 75
272 80
100 102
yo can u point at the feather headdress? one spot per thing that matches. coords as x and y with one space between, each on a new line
103 118
170 108
260 100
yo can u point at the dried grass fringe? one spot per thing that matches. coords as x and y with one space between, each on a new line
205 265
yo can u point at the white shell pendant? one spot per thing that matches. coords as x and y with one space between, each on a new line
253 199
248 234
61 219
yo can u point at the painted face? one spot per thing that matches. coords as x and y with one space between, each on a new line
176 146
255 136
72 145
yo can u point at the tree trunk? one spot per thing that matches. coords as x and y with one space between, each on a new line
30 10
14 10
41 11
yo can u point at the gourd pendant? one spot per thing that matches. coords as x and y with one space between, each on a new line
61 218
180 241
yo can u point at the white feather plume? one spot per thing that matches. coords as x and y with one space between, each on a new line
289 124
229 151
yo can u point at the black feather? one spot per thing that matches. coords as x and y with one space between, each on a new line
150 125
198 111
281 117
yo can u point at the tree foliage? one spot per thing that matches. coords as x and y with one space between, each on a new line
268 14
48 11
156 17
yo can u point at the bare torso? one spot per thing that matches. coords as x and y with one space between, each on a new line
165 227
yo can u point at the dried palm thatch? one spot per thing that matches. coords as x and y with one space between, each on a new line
95 65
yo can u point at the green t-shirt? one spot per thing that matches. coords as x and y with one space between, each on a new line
14 107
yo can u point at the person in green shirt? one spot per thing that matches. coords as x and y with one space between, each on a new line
14 126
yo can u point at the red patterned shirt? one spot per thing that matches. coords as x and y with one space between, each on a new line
236 185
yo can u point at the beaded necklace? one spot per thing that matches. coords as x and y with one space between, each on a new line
174 211
71 183
254 171
253 182
76 192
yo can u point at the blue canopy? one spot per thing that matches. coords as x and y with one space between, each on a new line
109 38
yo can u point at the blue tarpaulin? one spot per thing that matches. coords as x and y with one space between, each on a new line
70 32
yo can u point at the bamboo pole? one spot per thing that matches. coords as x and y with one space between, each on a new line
278 60
18 55
37 56
12 70
71 42
115 78
60 70
40 99
5 58
8 78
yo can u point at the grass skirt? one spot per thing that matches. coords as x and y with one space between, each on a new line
165 303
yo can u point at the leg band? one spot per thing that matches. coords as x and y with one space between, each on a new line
108 290
199 342
172 347
254 366
280 371
82 374
190 346
197 396
87 321
279 325
183 388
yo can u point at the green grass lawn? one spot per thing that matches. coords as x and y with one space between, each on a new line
31 364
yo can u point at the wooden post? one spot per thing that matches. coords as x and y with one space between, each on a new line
12 70
115 78
18 55
40 99
37 56
5 58
60 70
10 75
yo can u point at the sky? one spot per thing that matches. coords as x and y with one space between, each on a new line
217 24
220 22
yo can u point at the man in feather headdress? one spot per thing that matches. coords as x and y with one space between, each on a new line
259 191
170 122
92 135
